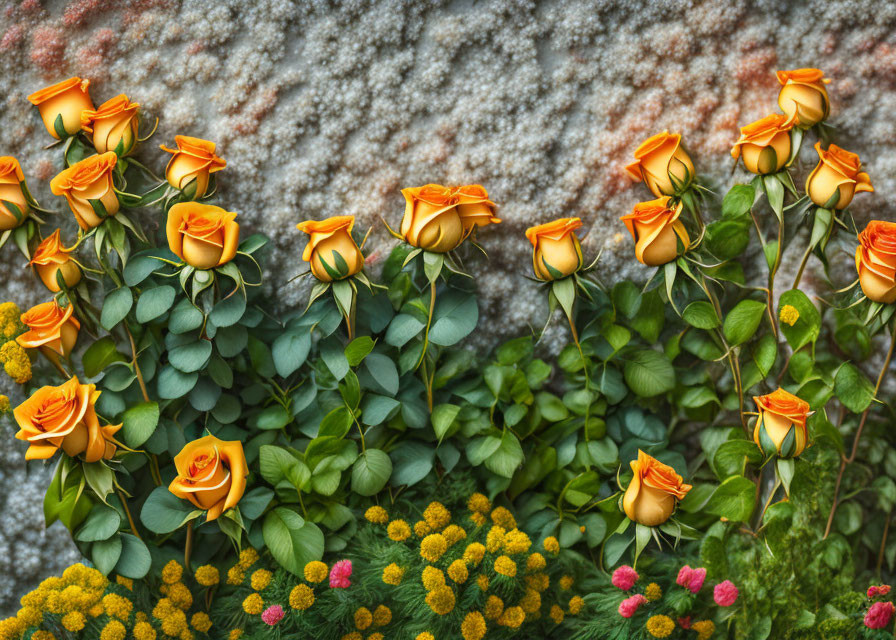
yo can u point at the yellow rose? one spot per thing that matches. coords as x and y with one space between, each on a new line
803 98
194 159
781 426
202 235
474 207
87 186
51 328
51 258
556 250
657 231
61 105
431 219
837 178
113 126
662 164
331 250
764 144
11 193
211 473
876 261
653 492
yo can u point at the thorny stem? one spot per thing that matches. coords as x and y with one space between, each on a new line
127 511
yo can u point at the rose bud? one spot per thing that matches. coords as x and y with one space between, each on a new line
657 231
194 159
662 164
65 417
211 474
331 250
11 193
764 144
51 258
88 187
837 177
803 98
556 250
474 207
202 235
51 328
113 125
652 494
61 105
431 219
781 426
876 261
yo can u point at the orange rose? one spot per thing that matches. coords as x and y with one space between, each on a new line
474 207
51 258
653 492
64 416
662 164
211 473
803 97
61 105
202 235
876 261
194 159
781 426
113 126
331 250
556 250
657 230
11 193
431 219
88 187
837 178
51 328
765 144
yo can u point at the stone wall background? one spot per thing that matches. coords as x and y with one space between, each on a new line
326 108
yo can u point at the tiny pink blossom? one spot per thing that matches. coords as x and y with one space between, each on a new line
624 577
696 581
879 615
725 594
882 590
272 615
629 606
340 574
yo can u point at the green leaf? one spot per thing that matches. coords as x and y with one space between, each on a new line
443 417
59 127
154 302
371 472
853 389
743 321
649 373
403 328
738 201
100 355
648 321
277 465
775 192
274 417
135 560
190 357
290 350
116 307
334 357
184 317
106 553
230 310
733 499
102 523
172 383
358 349
376 408
139 423
732 456
100 478
728 238
291 540
506 457
455 317
163 512
701 314
807 327
411 461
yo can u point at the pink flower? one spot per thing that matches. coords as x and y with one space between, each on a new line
629 606
879 615
725 594
691 579
882 590
273 615
625 577
340 574
685 623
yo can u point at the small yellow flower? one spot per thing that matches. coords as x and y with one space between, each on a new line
454 534
301 597
253 604
4 404
494 540
432 578
556 614
436 516
494 607
398 530
260 579
31 616
535 562
175 623
426 635
478 519
789 314
531 602
457 571
482 582
382 616
474 553
140 616
235 575
180 596
393 574
354 635
704 629
363 618
74 621
421 529
201 622
433 546
375 636
377 515
473 626
503 518
538 581
566 583
660 626
505 566
441 600
127 583
12 628
10 320
15 362
316 571
172 572
551 545
575 605
653 592
144 631
113 630
207 575
512 617
478 503
116 606
40 634
248 557
235 634
516 541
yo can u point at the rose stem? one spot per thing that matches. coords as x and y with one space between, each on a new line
127 512
188 546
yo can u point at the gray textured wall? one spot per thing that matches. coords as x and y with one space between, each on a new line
330 108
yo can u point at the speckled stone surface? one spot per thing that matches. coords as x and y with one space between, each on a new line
330 108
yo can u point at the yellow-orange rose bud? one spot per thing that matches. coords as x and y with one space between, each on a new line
64 417
51 328
12 193
113 126
781 426
876 261
662 164
764 144
61 105
803 98
474 207
837 178
202 235
87 186
211 473
431 219
194 159
556 250
331 250
51 258
654 491
657 231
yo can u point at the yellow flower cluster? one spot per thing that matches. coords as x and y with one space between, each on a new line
248 557
4 404
535 562
301 597
457 571
398 530
382 616
660 626
575 605
127 583
478 503
117 606
10 323
316 571
421 529
207 575
789 314
551 545
253 604
432 578
433 547
653 592
505 566
436 516
201 622
494 540
377 515
516 541
15 362
556 614
144 631
513 617
474 553
473 627
426 635
113 630
172 618
503 518
260 579
704 629
393 574
441 600
172 572
494 607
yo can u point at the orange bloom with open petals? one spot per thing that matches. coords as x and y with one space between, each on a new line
61 104
431 219
876 261
781 426
202 235
662 164
764 144
652 494
113 125
211 473
12 193
193 160
657 231
64 417
837 178
556 251
87 186
331 250
51 328
474 207
51 258
803 98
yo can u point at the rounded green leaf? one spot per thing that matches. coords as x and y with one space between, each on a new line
371 472
154 302
135 560
139 422
649 373
742 321
291 540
